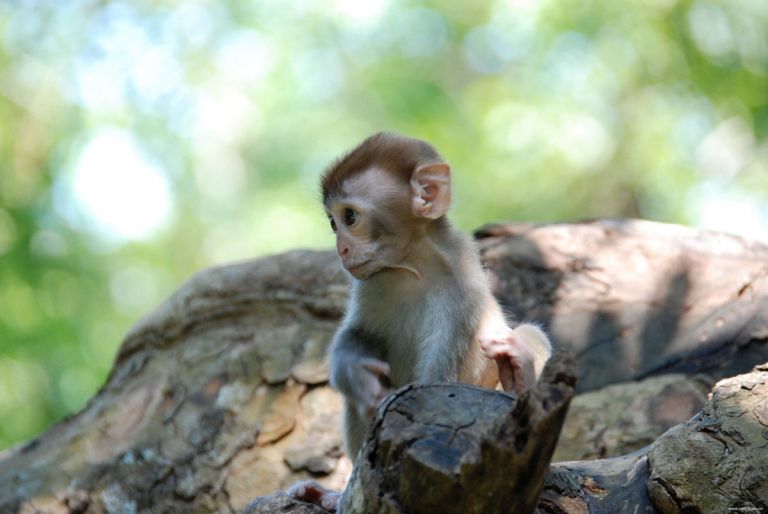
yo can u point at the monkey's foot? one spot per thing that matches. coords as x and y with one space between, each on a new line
310 491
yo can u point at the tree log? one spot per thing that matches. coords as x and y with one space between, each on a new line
715 462
455 448
621 418
460 449
206 398
606 486
718 460
634 298
220 394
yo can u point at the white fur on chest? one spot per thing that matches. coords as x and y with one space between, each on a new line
403 314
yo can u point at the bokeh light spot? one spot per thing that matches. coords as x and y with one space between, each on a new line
121 195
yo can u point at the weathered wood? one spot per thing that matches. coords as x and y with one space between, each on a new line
280 502
206 398
460 449
718 460
634 298
606 486
621 418
715 462
422 453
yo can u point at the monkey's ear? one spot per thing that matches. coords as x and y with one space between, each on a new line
431 190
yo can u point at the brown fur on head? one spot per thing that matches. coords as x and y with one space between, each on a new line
399 155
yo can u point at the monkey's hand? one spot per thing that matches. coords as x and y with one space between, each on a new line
310 491
369 378
520 355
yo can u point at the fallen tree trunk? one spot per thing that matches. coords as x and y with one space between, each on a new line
715 462
613 485
635 299
618 419
221 393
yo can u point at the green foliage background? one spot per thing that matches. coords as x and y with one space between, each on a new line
547 110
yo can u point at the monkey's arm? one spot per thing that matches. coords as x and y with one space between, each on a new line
362 376
358 369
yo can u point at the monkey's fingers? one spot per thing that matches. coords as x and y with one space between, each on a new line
516 374
376 401
497 349
376 366
506 375
507 347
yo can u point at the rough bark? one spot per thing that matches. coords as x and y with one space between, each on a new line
220 394
715 462
621 418
606 486
207 398
431 449
718 460
418 459
634 298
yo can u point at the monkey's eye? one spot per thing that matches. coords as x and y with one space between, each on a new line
350 217
333 223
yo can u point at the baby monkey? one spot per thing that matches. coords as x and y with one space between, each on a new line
421 308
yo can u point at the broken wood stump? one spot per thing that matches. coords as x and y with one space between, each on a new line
456 448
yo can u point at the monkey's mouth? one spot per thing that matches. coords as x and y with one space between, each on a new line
358 267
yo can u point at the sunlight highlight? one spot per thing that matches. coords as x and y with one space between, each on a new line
356 12
121 195
717 206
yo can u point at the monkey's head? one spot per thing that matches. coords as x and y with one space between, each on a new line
382 197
